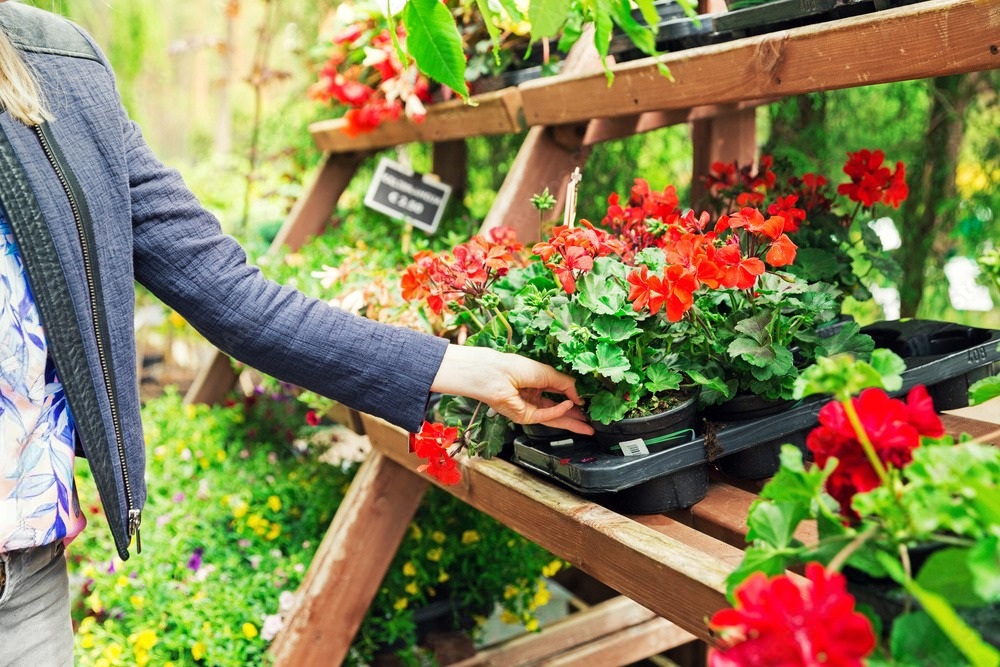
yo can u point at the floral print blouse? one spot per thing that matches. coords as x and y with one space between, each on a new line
38 501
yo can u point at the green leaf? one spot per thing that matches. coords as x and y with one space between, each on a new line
660 377
400 52
547 17
603 25
752 351
890 366
765 560
513 11
967 640
793 483
611 362
615 329
571 33
489 18
850 340
649 13
916 640
774 523
433 41
756 327
714 384
984 390
601 295
607 407
816 264
947 573
984 565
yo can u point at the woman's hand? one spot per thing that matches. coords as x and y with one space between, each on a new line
513 386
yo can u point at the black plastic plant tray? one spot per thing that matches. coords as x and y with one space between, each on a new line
783 14
945 357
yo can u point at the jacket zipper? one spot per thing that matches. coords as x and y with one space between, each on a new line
134 515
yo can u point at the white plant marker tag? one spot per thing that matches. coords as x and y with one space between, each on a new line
561 443
635 447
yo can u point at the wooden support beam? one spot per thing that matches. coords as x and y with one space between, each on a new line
576 630
674 570
543 161
451 166
849 52
349 566
724 138
623 648
956 425
497 112
309 217
610 129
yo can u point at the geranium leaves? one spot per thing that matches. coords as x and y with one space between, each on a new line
608 361
660 377
435 44
603 295
615 329
607 406
843 375
547 17
984 390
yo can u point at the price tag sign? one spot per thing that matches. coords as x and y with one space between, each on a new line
404 195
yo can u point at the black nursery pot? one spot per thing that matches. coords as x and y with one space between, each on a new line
540 434
678 422
756 462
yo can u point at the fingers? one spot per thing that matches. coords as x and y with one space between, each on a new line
541 376
541 415
570 423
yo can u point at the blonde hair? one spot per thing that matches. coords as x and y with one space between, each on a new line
19 91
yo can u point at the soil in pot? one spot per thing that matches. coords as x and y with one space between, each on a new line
646 435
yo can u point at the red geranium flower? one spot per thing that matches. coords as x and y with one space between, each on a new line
785 207
432 443
312 418
781 252
897 191
894 428
775 622
738 271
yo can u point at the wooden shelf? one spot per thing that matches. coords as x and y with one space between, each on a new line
498 112
932 38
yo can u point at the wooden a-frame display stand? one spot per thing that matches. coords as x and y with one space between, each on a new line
673 565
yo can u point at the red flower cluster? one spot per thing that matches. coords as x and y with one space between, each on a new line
747 183
432 443
571 251
894 428
632 222
469 270
871 182
775 622
785 208
695 258
378 88
811 193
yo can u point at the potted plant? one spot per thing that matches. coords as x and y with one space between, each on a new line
895 501
828 231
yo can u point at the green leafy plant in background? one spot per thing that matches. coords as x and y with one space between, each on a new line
890 483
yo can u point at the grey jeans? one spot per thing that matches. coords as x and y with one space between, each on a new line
35 626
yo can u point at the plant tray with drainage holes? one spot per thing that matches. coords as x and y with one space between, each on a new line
944 357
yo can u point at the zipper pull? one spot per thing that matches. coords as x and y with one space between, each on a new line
134 519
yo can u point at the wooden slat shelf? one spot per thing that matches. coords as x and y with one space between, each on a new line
932 38
497 112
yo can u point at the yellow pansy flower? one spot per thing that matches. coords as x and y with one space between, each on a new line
87 641
250 630
145 640
412 588
112 651
551 569
509 592
416 532
87 623
274 502
274 532
401 604
240 509
510 618
439 537
220 456
102 662
443 577
198 650
122 582
137 601
470 537
434 555
409 569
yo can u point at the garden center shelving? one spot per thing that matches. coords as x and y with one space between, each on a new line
674 565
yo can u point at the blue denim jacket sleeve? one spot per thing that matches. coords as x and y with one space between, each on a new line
183 257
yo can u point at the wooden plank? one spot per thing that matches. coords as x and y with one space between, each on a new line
722 514
597 622
497 112
956 425
308 217
350 564
345 416
660 569
857 51
624 648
